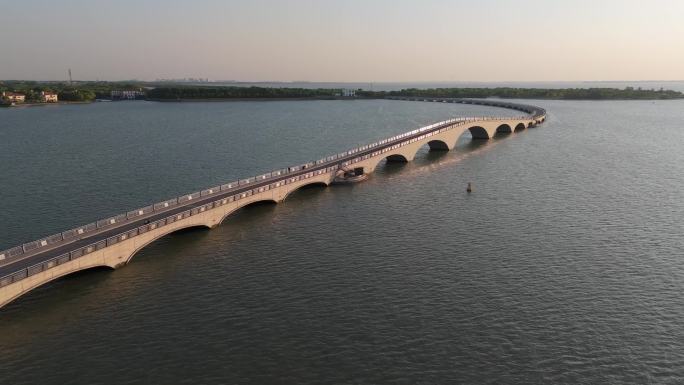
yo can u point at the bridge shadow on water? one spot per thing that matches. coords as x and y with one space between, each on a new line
251 210
307 191
172 243
63 289
388 167
432 155
70 286
501 135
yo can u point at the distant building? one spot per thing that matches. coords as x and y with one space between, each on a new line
127 95
48 97
184 80
349 93
13 97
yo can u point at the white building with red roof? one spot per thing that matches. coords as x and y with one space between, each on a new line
48 97
13 97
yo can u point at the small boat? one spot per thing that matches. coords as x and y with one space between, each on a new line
351 179
350 176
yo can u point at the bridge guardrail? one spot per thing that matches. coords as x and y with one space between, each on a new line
17 252
210 191
229 186
11 253
139 212
165 204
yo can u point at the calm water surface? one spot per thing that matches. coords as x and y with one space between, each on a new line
566 264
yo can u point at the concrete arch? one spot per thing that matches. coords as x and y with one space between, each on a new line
395 156
160 236
504 128
439 145
478 132
29 288
252 203
520 126
314 183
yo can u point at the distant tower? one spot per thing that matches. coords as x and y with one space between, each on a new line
70 80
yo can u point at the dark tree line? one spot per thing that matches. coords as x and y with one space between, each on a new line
532 93
78 91
205 92
88 91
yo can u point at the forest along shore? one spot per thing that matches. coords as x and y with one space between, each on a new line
30 92
251 93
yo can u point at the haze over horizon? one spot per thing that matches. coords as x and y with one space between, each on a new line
350 41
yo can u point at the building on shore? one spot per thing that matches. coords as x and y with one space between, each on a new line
13 97
127 95
48 97
348 93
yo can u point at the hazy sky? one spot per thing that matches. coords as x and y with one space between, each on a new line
343 40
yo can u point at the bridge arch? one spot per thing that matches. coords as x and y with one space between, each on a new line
34 285
397 158
390 157
306 185
438 145
520 126
504 129
162 235
478 132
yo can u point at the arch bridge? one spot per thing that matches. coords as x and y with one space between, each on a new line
112 242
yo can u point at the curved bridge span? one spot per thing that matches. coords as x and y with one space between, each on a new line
112 242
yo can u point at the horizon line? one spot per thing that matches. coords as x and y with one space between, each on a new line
349 82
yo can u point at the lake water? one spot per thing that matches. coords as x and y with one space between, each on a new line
565 265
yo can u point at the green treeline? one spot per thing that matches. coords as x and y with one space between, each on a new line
208 92
76 92
89 91
532 93
205 92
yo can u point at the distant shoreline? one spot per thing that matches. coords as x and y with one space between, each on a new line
209 93
26 105
89 92
275 99
281 99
